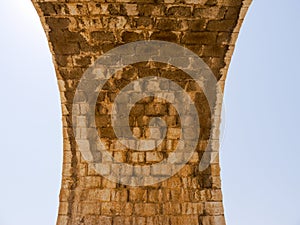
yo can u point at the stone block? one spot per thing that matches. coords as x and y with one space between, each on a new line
199 38
214 208
179 11
146 209
137 195
164 36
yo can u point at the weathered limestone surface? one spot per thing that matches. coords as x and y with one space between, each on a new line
79 31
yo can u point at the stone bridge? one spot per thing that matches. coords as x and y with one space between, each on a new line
79 32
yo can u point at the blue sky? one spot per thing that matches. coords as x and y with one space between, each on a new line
260 152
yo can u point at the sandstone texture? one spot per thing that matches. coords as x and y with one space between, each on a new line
79 31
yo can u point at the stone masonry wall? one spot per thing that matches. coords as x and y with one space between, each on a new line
79 31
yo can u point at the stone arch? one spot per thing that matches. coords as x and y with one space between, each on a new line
79 32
